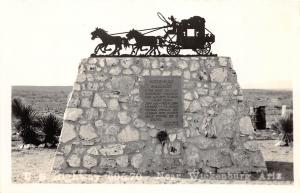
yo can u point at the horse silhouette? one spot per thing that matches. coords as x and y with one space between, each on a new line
108 40
141 40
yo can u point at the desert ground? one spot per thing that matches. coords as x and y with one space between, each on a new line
34 165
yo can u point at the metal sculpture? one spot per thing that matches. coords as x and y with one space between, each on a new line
142 40
186 34
108 40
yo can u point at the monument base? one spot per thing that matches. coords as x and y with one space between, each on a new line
162 114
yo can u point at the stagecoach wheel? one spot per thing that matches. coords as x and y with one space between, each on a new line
173 50
205 50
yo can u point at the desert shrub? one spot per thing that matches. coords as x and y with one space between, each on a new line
27 121
284 126
51 126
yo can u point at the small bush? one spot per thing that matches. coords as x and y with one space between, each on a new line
27 122
51 126
284 126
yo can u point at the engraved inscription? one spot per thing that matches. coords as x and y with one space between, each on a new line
162 100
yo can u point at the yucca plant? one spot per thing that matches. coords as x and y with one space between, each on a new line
51 126
27 121
284 126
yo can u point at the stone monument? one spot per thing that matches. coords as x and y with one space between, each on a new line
157 114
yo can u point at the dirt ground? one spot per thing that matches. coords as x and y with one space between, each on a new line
34 165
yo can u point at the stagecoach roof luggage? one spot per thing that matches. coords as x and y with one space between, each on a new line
195 22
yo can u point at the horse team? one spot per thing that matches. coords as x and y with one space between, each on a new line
141 40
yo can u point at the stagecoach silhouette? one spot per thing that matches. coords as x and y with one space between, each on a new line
186 34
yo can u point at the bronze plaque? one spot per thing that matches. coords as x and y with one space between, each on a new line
162 101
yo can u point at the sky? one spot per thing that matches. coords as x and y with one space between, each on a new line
43 41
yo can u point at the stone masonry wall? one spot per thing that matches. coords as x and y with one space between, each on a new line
102 131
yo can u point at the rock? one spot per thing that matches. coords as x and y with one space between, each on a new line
182 64
91 113
112 149
93 151
206 101
218 158
73 102
86 93
92 60
123 99
76 87
186 104
113 105
257 160
123 84
72 114
87 132
128 134
251 146
43 145
107 139
126 62
155 72
187 75
89 162
138 123
210 62
59 163
194 65
101 62
144 135
123 117
246 127
81 77
166 73
134 146
155 64
85 103
235 92
181 136
68 132
127 71
108 115
92 86
146 63
145 72
136 69
218 75
115 71
223 61
137 160
176 73
66 149
74 160
153 132
122 161
158 149
98 101
201 142
188 84
99 124
112 130
195 106
202 91
172 137
188 96
107 163
135 91
192 156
